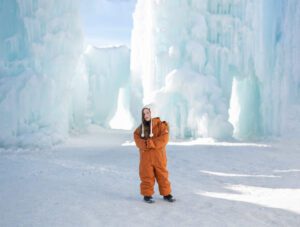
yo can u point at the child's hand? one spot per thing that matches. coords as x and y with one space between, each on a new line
150 144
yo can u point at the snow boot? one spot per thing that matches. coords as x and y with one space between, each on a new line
149 199
169 198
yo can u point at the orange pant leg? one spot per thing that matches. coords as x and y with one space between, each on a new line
147 177
161 171
162 177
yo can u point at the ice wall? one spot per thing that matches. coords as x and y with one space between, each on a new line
108 70
201 61
266 85
181 56
43 84
213 68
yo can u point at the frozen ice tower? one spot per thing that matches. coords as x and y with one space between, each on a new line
44 87
218 68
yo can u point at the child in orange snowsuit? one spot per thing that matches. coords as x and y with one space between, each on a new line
151 138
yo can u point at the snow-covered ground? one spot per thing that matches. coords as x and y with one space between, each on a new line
92 180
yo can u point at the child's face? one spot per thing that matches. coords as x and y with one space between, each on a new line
147 114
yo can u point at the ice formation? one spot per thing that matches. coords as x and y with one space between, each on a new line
218 68
43 84
108 70
212 68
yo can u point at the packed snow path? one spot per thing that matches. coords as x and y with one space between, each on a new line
93 180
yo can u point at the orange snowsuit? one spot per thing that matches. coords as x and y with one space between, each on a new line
153 158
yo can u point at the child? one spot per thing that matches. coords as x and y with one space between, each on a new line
151 137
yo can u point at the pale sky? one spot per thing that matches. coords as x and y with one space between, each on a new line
107 22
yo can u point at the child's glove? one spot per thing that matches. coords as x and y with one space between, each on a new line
150 144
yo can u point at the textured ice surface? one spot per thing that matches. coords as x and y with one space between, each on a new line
217 68
200 60
43 84
108 70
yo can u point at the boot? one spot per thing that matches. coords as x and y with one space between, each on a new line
149 199
169 198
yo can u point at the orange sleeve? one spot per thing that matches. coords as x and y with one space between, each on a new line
162 139
140 143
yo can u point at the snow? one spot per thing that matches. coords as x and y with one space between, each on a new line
227 72
93 180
